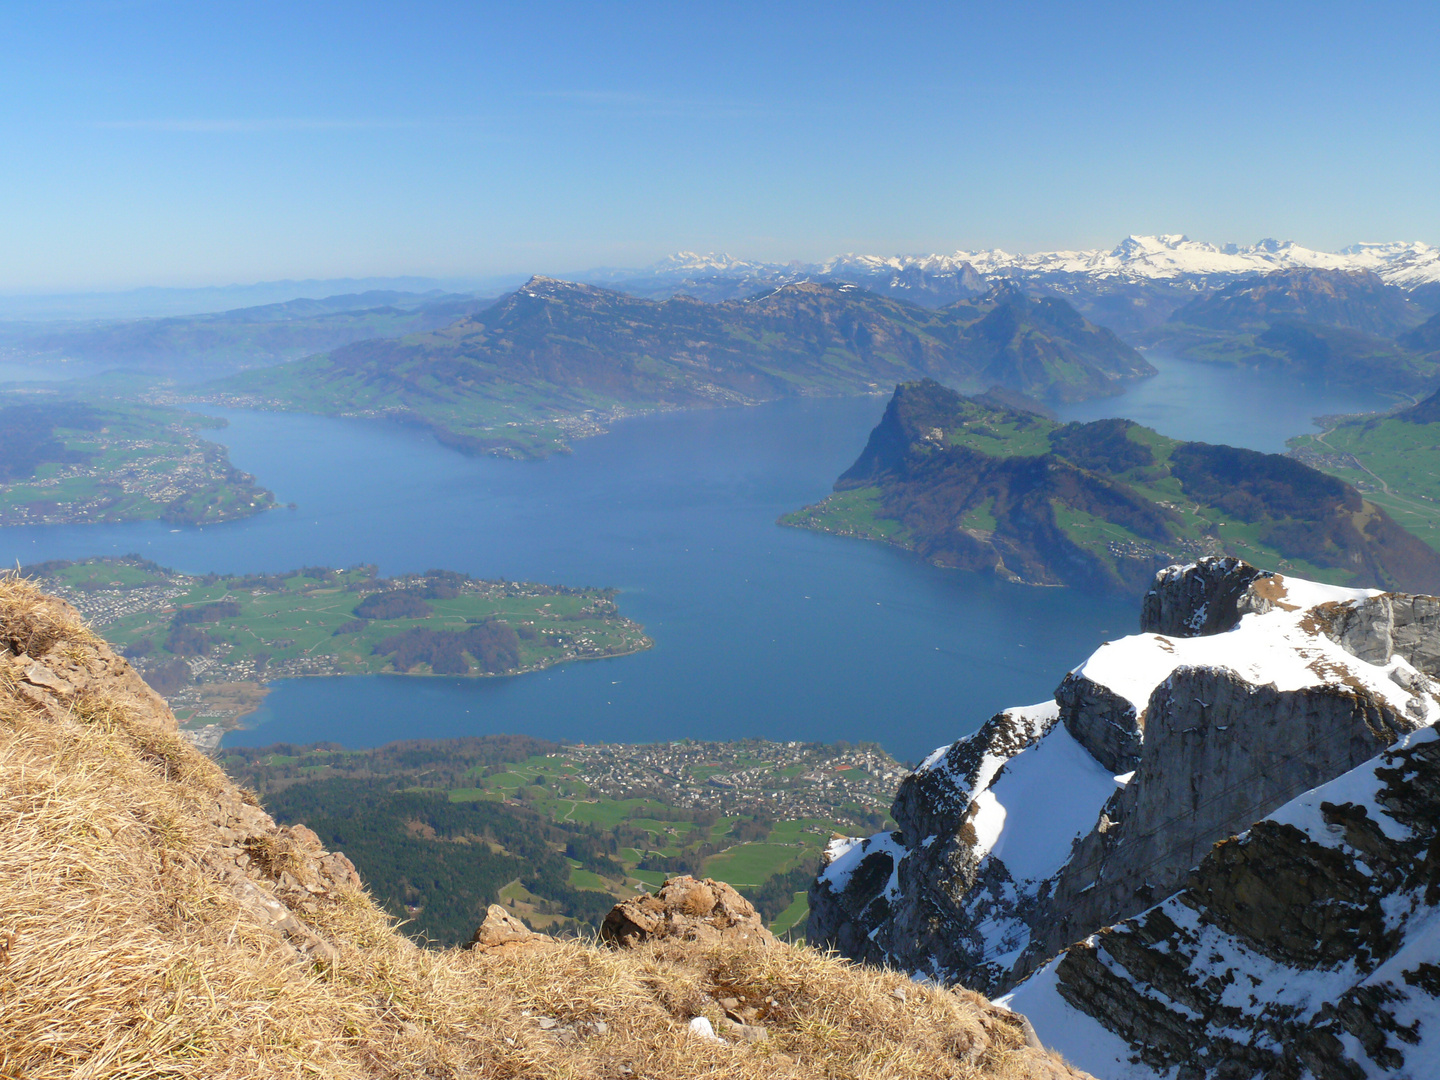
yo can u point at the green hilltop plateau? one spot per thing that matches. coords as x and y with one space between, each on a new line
980 484
555 360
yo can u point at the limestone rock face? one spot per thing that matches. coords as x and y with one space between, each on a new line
1386 625
1203 598
1306 947
875 900
503 932
1056 820
689 910
1104 723
1215 745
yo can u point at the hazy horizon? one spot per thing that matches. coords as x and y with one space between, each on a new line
477 282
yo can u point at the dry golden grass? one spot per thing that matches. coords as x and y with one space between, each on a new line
31 622
123 953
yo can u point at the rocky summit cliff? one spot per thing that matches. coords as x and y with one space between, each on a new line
1084 820
156 922
1307 946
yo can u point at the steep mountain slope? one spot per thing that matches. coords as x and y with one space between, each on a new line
1243 691
515 377
156 922
972 483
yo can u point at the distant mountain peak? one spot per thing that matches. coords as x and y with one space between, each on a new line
542 286
691 261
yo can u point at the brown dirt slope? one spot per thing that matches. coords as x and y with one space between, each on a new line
155 922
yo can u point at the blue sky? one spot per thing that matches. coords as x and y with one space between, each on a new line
187 144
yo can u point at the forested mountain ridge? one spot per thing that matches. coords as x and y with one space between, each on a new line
555 355
975 484
1335 327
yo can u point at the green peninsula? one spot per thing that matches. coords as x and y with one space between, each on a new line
979 484
209 643
557 360
67 461
1393 459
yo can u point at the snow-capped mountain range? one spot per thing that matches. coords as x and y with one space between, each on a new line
1156 258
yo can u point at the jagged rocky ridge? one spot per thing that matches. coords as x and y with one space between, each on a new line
1243 691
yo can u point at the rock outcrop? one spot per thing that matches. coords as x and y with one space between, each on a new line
504 932
686 910
1056 820
1203 598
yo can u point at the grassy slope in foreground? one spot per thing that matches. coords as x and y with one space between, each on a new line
210 641
556 359
153 913
1394 461
972 483
570 830
67 462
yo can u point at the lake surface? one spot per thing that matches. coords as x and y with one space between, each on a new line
1220 404
759 630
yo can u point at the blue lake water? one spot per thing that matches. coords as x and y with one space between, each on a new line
760 630
1220 404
